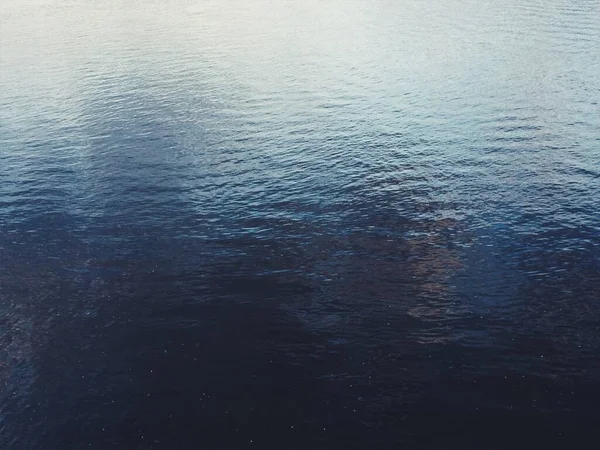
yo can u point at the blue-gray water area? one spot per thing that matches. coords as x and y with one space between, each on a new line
299 224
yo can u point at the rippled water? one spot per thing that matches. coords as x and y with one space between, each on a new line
299 224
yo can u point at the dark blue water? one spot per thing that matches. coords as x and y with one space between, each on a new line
299 224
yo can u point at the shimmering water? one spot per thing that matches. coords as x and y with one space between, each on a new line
299 224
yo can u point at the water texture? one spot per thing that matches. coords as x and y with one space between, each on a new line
299 224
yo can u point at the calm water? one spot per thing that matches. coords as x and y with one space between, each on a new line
299 224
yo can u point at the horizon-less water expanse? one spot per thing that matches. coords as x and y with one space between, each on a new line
302 224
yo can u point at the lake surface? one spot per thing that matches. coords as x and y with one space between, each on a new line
299 224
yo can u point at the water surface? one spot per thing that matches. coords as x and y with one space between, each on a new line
299 224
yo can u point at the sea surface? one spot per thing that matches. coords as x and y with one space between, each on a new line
301 224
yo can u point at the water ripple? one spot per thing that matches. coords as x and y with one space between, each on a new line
325 224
